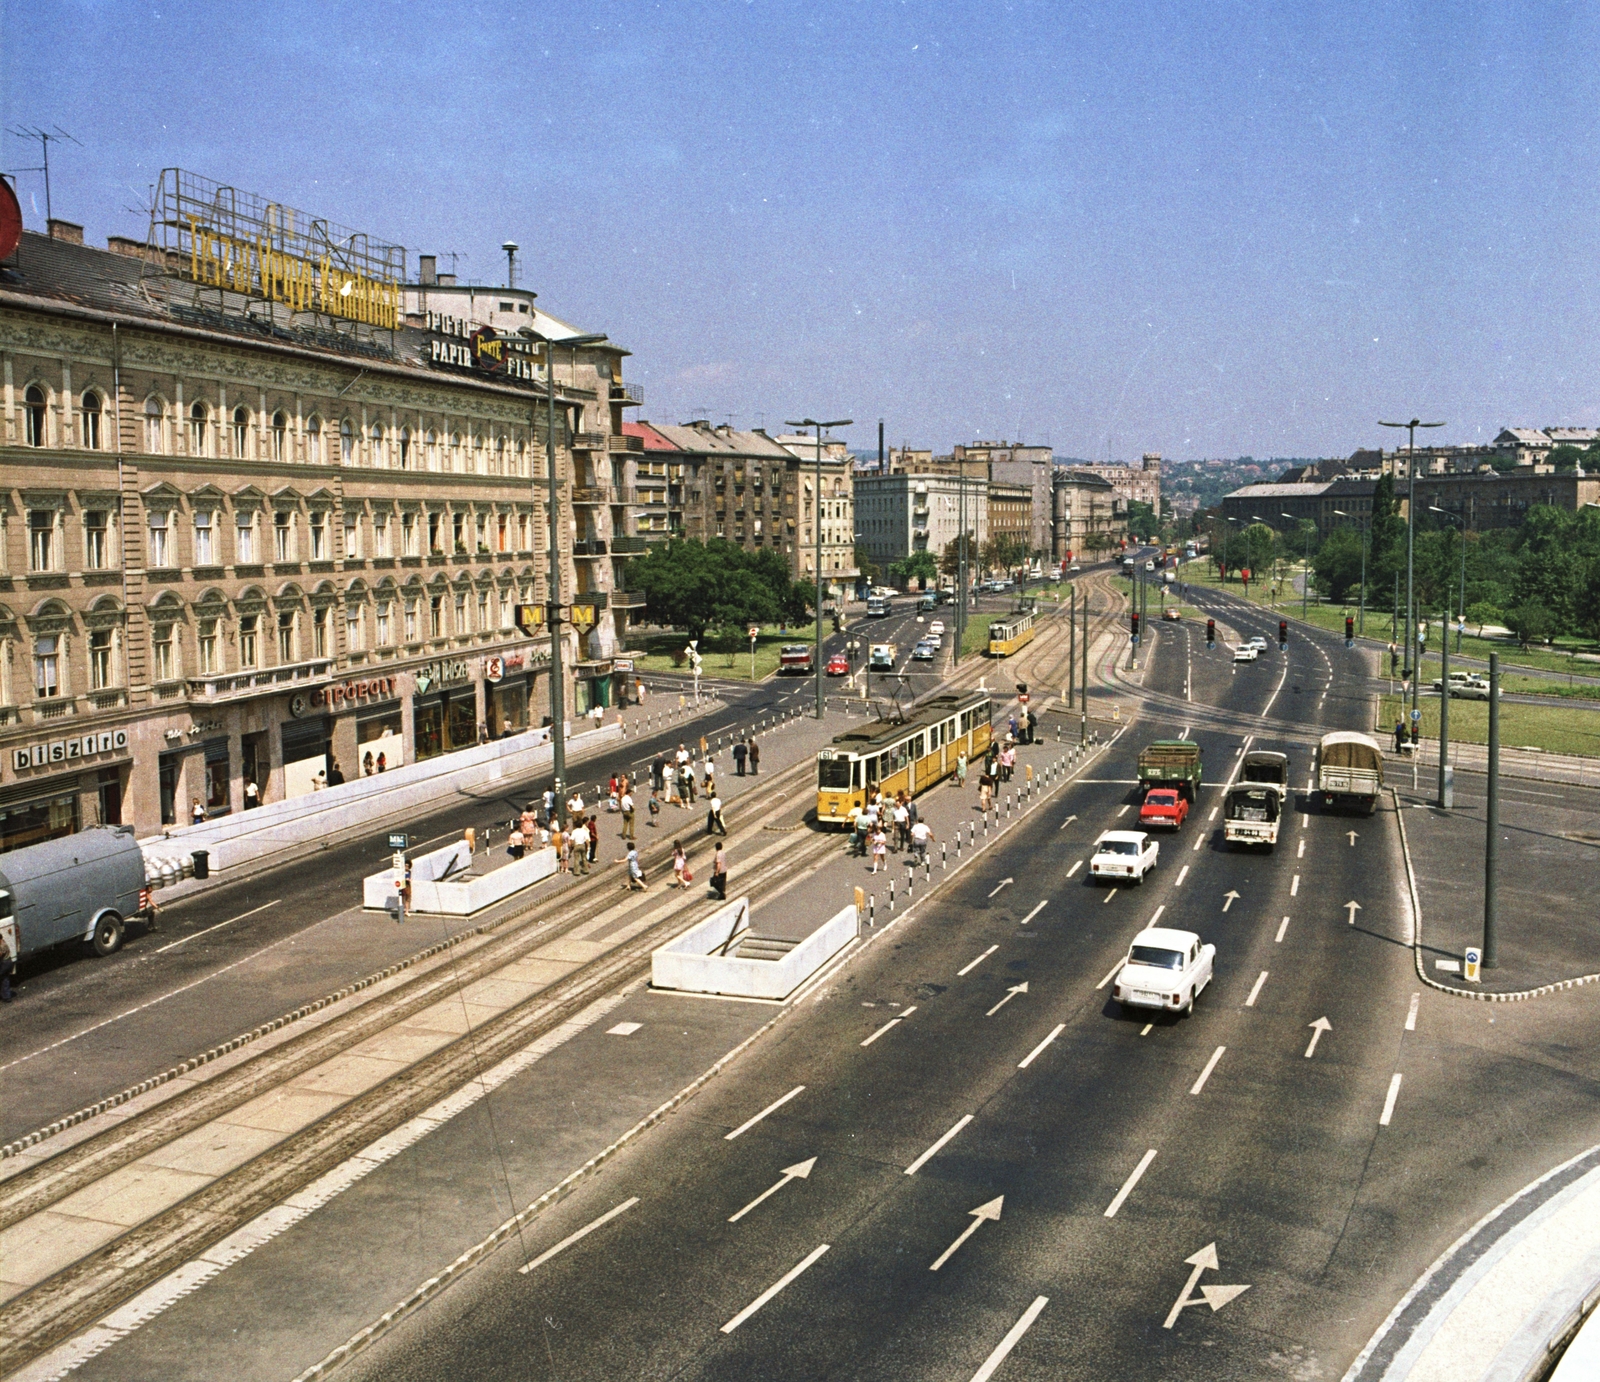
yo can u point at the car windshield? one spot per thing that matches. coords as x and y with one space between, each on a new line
1161 799
1118 847
1156 957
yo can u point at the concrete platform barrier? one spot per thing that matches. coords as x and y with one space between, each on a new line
703 958
440 882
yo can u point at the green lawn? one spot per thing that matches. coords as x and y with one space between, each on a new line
1554 729
664 653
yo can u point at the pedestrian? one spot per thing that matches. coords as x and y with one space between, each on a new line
558 842
680 867
985 792
853 818
714 821
580 845
686 775
636 881
335 775
655 808
880 849
627 816
383 762
366 764
961 769
902 822
921 837
594 837
755 757
514 842
669 778
613 794
1399 735
1011 725
197 813
483 732
719 873
638 692
252 793
658 773
549 804
505 728
528 824
739 752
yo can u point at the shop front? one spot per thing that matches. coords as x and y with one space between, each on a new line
509 681
43 802
445 708
368 734
591 686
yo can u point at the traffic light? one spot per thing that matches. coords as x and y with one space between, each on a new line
1283 632
1136 626
1349 631
1211 633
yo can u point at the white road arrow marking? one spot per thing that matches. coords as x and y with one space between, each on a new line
1353 838
1004 883
1064 824
1230 897
583 1232
982 1214
973 964
1353 907
1035 912
1214 1296
799 1171
1010 994
1075 868
1318 1027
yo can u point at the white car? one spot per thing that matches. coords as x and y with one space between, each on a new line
1149 566
1165 969
1246 652
1259 643
1124 856
936 629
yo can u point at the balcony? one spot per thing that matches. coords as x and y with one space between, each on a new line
235 686
589 547
591 494
627 599
588 441
622 442
628 546
628 395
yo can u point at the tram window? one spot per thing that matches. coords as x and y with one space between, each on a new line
834 774
855 775
872 770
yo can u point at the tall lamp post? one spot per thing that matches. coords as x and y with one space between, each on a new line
1461 606
1305 578
1411 545
961 560
558 736
1361 623
816 518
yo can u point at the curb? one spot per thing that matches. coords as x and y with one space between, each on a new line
1520 995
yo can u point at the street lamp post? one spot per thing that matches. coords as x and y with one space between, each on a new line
558 737
1461 606
816 518
1411 544
1305 577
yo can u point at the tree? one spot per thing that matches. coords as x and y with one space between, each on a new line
921 565
1484 613
698 586
1142 520
950 558
1337 564
1530 621
870 571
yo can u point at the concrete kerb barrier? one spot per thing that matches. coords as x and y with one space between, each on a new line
1518 996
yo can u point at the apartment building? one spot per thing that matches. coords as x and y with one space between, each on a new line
904 513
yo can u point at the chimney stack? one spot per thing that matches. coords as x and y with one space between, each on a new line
428 269
65 231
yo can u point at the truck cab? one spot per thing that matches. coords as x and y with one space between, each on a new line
794 659
881 658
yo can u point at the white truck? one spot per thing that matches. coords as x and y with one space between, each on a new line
1350 770
1250 814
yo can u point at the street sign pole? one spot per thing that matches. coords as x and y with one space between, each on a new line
1491 941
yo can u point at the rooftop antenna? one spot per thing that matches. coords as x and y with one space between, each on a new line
452 256
511 247
55 134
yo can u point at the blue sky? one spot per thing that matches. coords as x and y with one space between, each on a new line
1201 229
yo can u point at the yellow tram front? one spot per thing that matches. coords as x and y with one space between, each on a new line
907 757
1009 635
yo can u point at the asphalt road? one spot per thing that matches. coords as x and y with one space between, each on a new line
1319 1193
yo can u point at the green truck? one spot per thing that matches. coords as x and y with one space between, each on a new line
1171 763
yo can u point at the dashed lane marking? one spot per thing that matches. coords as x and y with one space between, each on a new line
1127 1185
1255 991
1027 1060
1205 1074
1282 927
770 1108
973 964
1388 1102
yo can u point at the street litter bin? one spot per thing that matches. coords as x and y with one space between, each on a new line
202 863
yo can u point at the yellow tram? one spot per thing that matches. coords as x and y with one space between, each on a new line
1010 635
908 757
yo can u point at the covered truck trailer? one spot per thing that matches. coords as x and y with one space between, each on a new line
1350 770
82 887
1171 763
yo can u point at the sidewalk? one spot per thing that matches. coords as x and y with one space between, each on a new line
1533 764
1504 1296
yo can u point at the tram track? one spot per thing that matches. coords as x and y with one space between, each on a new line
45 1312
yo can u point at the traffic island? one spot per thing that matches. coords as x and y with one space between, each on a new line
722 955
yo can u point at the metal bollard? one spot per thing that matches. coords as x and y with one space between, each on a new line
891 893
927 869
872 910
944 852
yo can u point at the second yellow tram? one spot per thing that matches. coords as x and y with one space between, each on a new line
1010 635
908 757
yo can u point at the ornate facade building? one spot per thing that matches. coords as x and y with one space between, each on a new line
244 549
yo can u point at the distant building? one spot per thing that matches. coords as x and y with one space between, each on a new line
1284 506
1134 484
897 515
1502 499
1011 514
1083 505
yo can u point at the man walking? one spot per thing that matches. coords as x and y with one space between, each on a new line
627 816
719 873
921 837
739 752
580 846
714 821
658 770
755 757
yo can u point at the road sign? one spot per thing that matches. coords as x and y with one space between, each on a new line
755 632
1472 963
1415 716
399 841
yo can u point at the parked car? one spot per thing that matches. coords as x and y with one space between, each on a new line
1171 615
924 651
1124 856
1164 806
1467 686
838 666
1246 653
1166 969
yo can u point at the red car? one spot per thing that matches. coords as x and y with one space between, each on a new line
1164 806
838 665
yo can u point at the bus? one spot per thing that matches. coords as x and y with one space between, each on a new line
908 757
878 605
1010 635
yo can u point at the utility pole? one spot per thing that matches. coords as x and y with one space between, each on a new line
816 518
1491 941
1412 651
